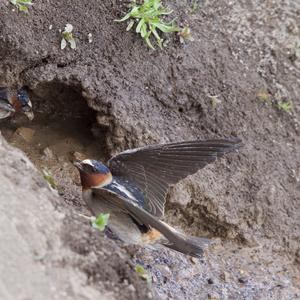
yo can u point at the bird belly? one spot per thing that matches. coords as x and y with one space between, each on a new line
4 114
119 222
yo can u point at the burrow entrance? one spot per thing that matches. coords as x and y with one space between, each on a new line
60 133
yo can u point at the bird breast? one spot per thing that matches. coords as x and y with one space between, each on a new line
119 222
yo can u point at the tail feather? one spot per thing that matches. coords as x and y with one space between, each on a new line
180 242
190 245
175 240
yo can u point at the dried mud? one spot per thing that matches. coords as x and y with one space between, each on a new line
114 93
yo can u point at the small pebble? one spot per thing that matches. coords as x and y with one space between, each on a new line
242 280
48 153
131 288
225 276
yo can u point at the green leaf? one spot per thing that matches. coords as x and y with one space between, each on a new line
152 28
166 28
68 28
21 5
72 44
126 17
130 24
23 8
143 273
100 222
49 178
63 44
285 106
149 43
144 32
140 24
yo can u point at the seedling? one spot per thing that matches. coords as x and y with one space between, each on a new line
195 6
22 5
100 222
147 19
67 37
285 106
185 34
143 273
264 96
49 178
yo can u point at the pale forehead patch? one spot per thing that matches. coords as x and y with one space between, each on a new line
88 162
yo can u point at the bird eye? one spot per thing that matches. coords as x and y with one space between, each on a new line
89 168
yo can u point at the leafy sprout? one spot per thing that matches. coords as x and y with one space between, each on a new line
143 273
147 16
215 101
185 34
264 96
67 37
100 222
22 5
49 178
285 106
195 6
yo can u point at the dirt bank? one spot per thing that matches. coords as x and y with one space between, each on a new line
115 93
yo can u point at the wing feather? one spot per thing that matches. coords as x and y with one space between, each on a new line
154 168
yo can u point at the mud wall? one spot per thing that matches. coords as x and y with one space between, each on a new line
140 97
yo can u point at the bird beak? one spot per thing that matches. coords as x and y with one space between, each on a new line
29 115
78 164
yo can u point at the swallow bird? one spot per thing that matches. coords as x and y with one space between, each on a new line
133 186
15 102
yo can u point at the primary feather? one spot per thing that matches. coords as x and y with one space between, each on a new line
154 168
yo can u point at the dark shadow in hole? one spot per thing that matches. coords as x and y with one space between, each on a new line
62 120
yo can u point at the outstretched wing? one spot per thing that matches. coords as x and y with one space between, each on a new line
154 168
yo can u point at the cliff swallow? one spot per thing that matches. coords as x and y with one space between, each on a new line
12 102
133 186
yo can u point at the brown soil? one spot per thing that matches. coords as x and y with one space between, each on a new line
115 93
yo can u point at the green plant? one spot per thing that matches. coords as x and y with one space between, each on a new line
22 5
67 37
286 106
49 178
147 16
185 34
215 101
264 96
143 273
100 222
195 6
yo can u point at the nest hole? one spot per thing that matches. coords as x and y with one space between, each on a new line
61 132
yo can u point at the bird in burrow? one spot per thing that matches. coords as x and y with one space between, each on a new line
133 186
13 102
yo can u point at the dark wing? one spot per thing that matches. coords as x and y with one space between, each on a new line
4 105
3 94
177 241
154 168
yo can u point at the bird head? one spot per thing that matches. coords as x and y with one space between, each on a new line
93 174
24 104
